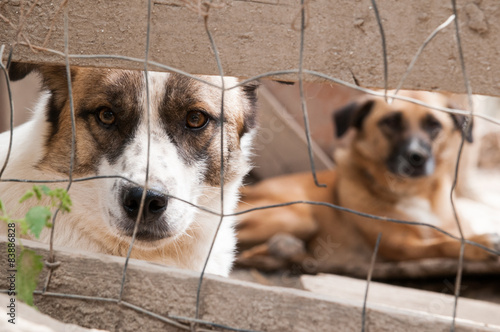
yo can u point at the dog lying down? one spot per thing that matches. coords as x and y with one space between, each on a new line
399 164
111 139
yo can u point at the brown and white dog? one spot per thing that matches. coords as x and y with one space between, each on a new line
399 164
110 108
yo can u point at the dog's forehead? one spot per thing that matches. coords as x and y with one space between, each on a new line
107 84
204 87
414 112
169 93
212 94
128 82
107 76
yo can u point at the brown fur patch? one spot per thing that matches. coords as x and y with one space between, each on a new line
91 91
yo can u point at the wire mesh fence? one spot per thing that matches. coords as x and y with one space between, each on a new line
301 21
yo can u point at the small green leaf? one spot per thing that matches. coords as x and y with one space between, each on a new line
37 192
2 207
46 190
36 218
23 225
29 266
26 196
66 204
64 198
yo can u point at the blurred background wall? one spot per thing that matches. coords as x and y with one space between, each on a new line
25 94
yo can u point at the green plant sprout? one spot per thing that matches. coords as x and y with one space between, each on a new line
29 264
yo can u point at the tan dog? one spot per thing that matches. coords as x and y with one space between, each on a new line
399 165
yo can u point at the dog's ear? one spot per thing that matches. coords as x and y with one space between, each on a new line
53 77
352 115
464 124
461 122
19 70
250 117
250 90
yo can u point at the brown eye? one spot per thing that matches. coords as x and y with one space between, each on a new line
106 117
392 124
432 126
196 119
394 121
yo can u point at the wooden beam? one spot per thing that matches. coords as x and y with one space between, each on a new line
342 38
402 298
171 292
30 319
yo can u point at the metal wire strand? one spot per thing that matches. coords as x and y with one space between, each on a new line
368 281
73 144
384 46
420 50
305 114
146 181
221 73
465 129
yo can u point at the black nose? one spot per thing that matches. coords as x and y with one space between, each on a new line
417 157
155 203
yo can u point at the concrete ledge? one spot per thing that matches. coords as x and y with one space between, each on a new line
170 292
402 298
30 320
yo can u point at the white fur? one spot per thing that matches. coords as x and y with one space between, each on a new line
421 211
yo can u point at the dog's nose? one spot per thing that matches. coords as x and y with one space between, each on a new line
417 153
155 203
417 158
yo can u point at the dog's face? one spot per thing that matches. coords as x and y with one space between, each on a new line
112 139
409 140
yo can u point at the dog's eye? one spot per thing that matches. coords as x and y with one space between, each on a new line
432 126
394 122
106 117
196 119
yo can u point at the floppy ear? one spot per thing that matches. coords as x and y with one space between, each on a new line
461 123
250 116
54 77
250 90
18 70
352 115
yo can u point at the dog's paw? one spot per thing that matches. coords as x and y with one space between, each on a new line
286 246
259 257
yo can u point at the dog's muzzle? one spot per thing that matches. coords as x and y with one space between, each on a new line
152 225
412 158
